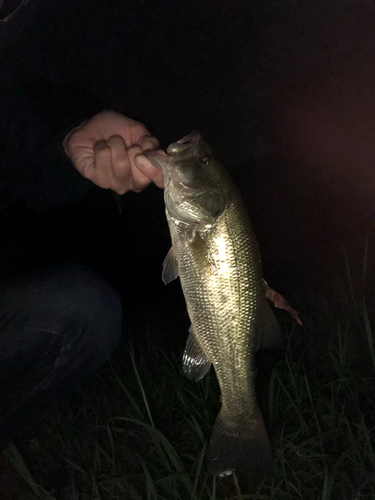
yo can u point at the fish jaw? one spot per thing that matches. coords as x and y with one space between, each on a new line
158 158
176 152
189 163
183 146
193 191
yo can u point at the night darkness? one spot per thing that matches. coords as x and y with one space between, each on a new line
283 94
167 64
282 90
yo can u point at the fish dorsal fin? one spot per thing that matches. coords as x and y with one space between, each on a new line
195 362
271 335
170 267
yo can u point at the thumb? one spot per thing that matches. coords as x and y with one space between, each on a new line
147 169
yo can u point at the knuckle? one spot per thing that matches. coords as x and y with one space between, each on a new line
102 151
116 139
137 130
122 164
148 141
134 150
136 124
140 185
121 190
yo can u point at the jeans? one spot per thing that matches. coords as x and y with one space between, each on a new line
56 327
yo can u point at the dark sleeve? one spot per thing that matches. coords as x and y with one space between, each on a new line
55 180
34 168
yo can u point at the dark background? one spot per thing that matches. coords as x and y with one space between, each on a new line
283 90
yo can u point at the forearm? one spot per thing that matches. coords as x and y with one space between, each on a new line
55 180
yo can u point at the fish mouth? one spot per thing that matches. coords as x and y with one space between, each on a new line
183 145
158 158
161 159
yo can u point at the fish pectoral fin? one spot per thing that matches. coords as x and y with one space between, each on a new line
271 335
195 362
170 267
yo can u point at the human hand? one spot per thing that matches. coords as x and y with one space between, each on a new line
107 149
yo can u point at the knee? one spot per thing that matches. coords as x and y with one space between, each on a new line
73 300
92 304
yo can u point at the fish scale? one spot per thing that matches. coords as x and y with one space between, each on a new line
215 254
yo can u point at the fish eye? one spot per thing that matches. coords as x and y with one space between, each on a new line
205 158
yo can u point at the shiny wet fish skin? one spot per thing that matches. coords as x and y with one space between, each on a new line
215 253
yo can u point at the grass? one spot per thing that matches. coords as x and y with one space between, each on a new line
139 430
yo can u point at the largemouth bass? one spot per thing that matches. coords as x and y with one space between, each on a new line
215 254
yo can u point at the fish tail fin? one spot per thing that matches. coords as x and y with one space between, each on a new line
240 446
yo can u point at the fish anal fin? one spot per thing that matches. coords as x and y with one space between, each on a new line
195 362
279 301
170 267
242 446
271 335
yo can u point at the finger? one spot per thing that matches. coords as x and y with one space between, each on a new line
67 142
135 132
99 146
101 173
148 141
139 179
154 174
120 157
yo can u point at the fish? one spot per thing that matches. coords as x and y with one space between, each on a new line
216 256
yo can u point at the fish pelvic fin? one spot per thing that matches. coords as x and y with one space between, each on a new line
170 267
194 360
271 335
242 446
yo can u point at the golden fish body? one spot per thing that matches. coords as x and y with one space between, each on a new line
215 253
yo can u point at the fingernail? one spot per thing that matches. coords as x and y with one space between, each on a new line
141 161
149 142
148 145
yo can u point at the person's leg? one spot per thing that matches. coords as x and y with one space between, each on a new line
56 327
